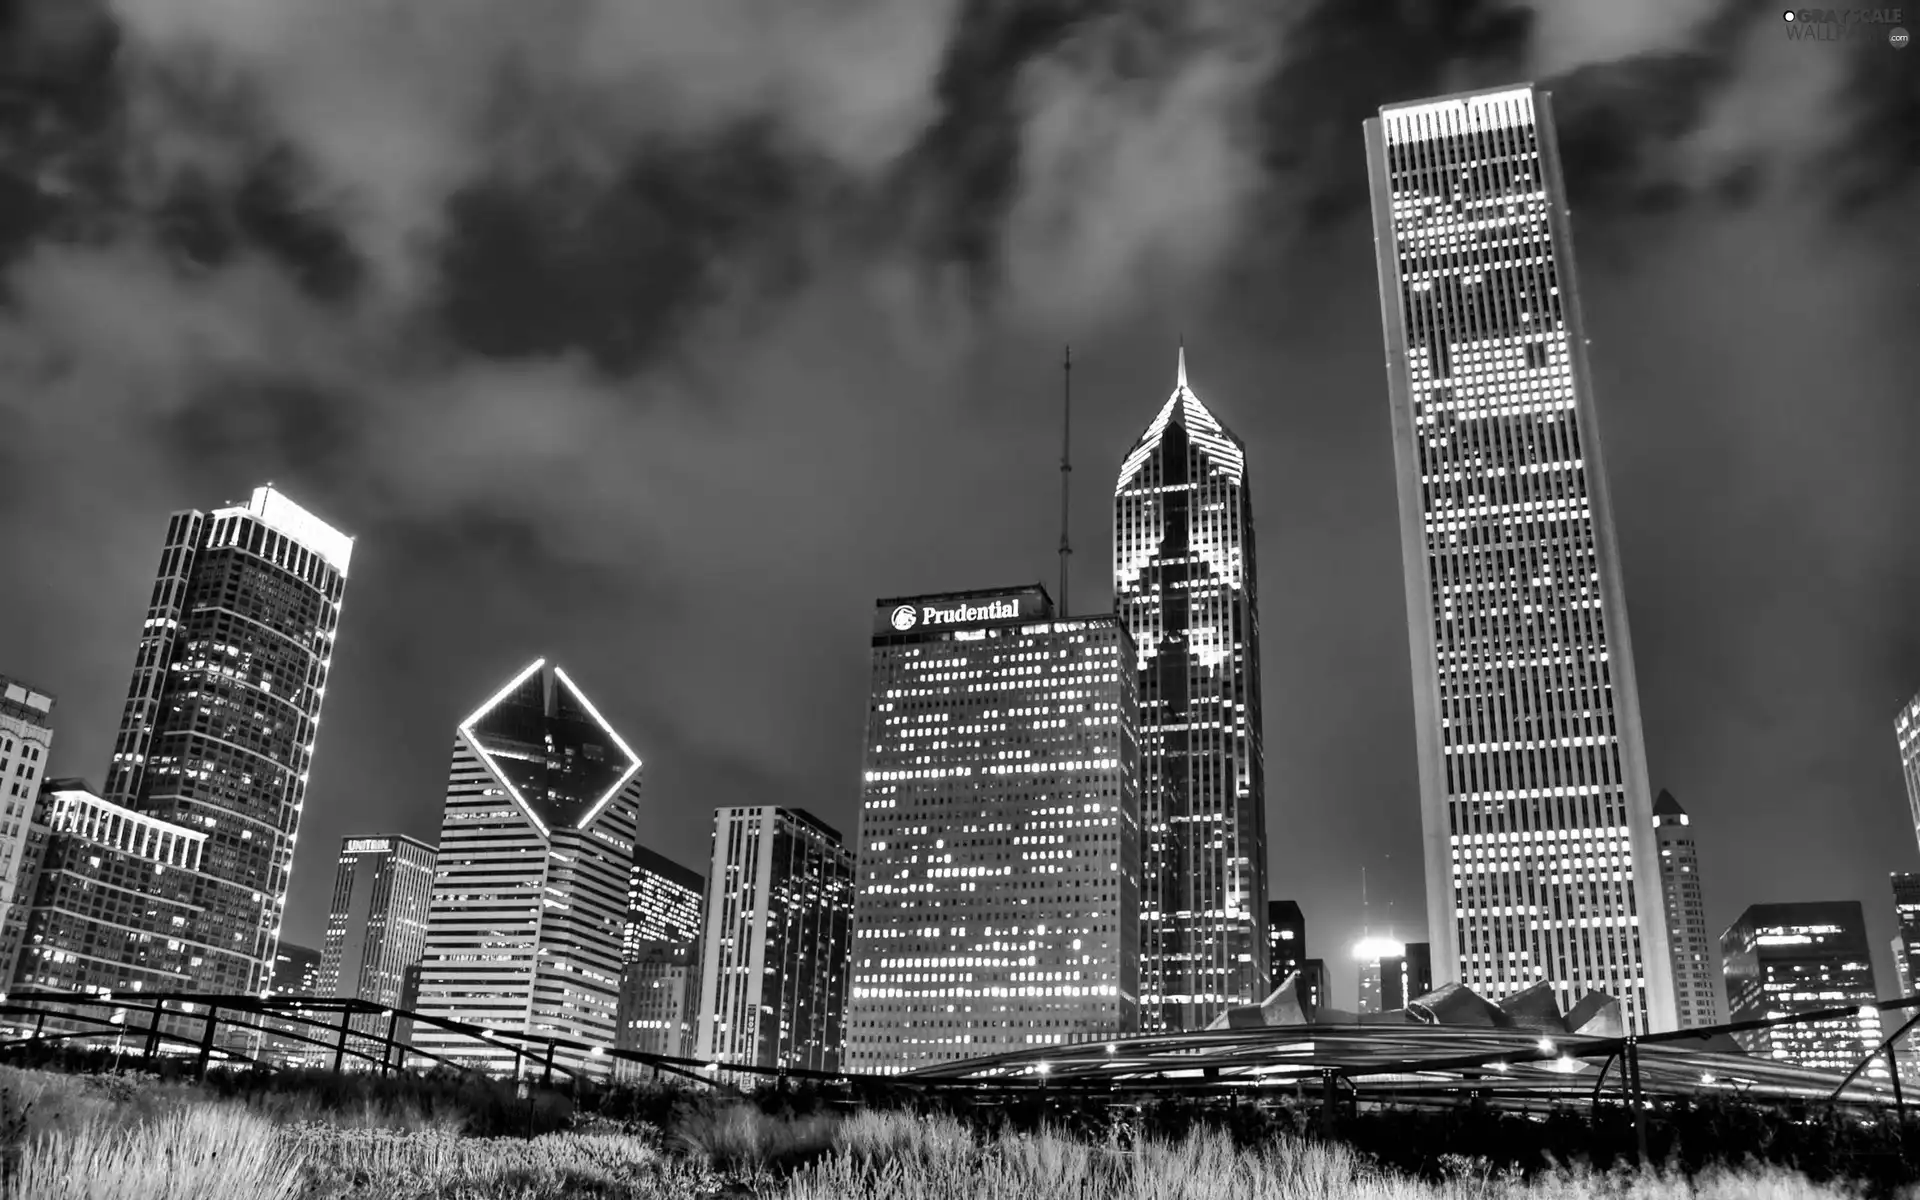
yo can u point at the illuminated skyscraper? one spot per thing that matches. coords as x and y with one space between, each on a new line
1184 584
658 991
1791 958
1906 728
999 832
530 888
224 710
1906 908
1699 991
663 903
377 925
1540 856
773 964
26 739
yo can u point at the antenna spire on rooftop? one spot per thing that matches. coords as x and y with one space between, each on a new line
1066 470
1180 379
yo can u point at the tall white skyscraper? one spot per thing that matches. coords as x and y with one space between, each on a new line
1540 855
1906 728
223 714
778 917
1184 584
998 902
530 887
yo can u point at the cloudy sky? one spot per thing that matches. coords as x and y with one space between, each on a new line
661 338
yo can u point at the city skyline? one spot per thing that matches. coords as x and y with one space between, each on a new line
522 425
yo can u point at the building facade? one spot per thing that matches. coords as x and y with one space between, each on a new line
1406 977
529 905
377 923
112 897
1538 822
1788 958
663 904
1700 993
998 896
1906 908
774 952
26 740
658 994
1906 728
223 713
1184 583
1286 939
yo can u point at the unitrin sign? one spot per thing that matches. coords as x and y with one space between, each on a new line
941 612
369 845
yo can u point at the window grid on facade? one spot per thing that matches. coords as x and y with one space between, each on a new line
1700 994
1781 959
1184 584
999 840
1540 852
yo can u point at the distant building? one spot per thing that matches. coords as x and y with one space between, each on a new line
658 992
26 740
1406 977
1315 990
112 897
296 971
1788 958
1541 863
1286 938
1906 907
296 975
529 906
663 903
377 925
998 905
223 714
1698 988
773 968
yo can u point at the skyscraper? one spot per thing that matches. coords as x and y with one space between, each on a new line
26 739
1906 908
224 710
998 901
1406 977
1699 991
377 925
1184 584
773 969
663 903
1540 856
1790 958
657 998
530 887
1906 728
296 971
1286 938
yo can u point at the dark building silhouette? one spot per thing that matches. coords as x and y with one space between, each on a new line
1790 958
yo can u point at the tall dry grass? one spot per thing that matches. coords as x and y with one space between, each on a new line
390 1165
888 1156
188 1154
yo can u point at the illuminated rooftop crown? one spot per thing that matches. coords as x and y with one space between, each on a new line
1222 449
550 748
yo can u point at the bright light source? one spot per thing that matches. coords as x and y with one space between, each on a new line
1043 1068
1546 1045
1112 1049
1375 949
1868 1010
1707 1078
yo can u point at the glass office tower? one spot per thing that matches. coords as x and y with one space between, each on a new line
1540 856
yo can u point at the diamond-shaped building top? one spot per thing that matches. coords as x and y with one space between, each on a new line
544 740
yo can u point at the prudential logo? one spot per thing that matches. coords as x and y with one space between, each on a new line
905 617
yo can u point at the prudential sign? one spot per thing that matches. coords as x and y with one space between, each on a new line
909 617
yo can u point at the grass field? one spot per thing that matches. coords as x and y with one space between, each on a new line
113 1137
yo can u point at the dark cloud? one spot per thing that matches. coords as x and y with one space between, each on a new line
661 339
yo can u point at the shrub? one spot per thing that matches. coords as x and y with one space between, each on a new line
195 1152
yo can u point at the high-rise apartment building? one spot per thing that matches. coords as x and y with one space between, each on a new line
1286 938
296 971
26 740
224 711
1700 993
530 887
111 897
773 965
377 923
1788 958
663 903
998 894
1906 728
1540 856
1184 584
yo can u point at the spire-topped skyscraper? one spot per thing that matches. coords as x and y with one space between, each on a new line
1540 856
1183 582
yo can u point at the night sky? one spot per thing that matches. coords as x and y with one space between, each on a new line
661 338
